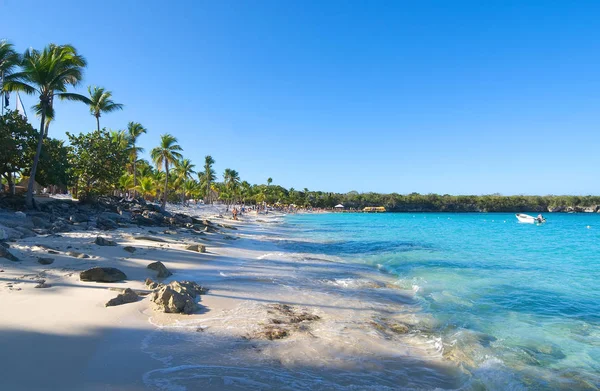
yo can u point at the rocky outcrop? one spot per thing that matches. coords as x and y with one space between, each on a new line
100 241
162 270
102 274
176 297
200 248
150 284
127 296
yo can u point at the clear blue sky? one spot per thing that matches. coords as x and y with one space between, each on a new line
392 96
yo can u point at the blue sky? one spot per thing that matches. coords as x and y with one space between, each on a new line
458 97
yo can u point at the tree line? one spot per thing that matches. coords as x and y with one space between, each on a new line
108 161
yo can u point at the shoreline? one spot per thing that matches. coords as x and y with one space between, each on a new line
258 293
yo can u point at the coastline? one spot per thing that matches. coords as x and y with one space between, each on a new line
271 318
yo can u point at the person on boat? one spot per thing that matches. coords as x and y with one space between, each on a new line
540 218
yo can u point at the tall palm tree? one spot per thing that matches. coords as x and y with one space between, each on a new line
269 181
47 73
134 130
100 102
184 170
167 152
209 175
231 179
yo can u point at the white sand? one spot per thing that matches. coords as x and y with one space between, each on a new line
64 338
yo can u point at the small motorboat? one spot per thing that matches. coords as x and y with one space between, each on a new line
527 219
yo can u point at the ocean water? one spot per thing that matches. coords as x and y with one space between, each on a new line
516 306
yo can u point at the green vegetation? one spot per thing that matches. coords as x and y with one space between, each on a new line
108 161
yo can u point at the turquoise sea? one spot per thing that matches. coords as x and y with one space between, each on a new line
516 305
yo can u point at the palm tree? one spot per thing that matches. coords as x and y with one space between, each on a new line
100 102
146 187
47 73
231 179
9 59
209 175
269 181
184 169
134 130
167 152
126 182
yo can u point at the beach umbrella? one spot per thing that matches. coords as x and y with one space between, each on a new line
339 206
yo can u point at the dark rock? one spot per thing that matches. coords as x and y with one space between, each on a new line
74 254
5 253
162 270
79 218
129 249
45 261
40 223
102 274
128 296
100 241
106 224
150 238
25 232
54 252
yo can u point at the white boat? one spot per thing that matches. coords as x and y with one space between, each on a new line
526 219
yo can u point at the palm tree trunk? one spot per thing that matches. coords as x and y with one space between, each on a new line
98 121
164 203
36 159
134 179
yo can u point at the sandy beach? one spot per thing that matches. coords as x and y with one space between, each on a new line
272 319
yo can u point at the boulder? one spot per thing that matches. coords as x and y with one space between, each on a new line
45 261
162 270
7 233
196 247
100 241
25 232
5 253
188 288
128 296
156 217
168 300
102 274
39 222
79 218
74 254
106 224
129 249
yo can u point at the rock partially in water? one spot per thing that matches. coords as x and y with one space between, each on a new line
162 270
102 274
128 296
100 241
176 297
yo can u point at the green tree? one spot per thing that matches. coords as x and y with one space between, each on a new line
184 170
98 160
17 138
100 102
167 152
47 73
55 166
